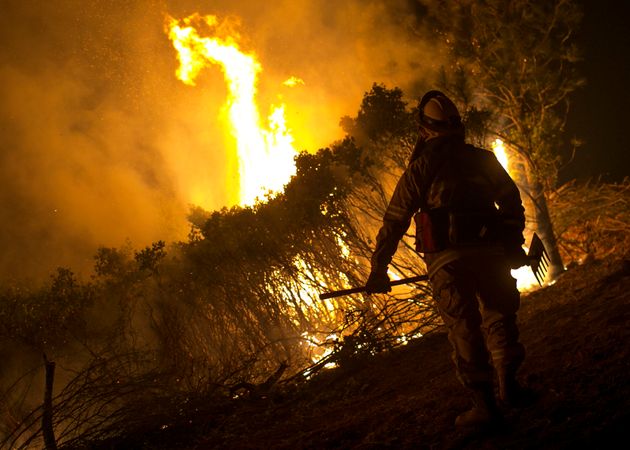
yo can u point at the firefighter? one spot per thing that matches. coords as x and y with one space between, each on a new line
469 228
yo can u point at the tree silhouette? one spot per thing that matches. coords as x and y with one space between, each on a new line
518 60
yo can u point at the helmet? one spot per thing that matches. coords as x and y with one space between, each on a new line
438 113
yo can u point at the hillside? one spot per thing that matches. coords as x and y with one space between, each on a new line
576 333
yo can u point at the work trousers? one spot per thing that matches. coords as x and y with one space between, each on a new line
478 300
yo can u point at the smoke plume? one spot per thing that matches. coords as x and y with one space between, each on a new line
101 143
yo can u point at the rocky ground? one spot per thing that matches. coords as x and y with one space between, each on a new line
576 333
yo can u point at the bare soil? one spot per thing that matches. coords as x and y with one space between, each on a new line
578 361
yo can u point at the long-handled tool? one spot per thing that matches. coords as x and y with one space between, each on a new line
537 257
356 290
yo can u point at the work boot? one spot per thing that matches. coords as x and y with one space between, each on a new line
484 413
512 394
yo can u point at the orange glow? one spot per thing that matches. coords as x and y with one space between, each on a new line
499 151
293 81
525 279
265 152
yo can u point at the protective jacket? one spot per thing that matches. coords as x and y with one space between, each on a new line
470 190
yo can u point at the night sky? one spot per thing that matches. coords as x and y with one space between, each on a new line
600 109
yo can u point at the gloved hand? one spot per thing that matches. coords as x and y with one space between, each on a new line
377 283
516 257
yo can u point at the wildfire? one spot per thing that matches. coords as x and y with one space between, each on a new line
525 279
293 81
499 151
265 153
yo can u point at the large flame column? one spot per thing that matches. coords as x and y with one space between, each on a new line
265 154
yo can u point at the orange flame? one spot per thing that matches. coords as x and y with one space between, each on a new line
525 279
265 154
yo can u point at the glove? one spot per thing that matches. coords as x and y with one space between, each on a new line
516 257
377 283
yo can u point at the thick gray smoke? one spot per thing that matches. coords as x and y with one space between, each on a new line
100 143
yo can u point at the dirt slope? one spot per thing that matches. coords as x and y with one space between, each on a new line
576 333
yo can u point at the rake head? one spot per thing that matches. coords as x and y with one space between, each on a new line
538 259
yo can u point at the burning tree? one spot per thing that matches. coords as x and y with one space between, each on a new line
226 308
194 323
516 60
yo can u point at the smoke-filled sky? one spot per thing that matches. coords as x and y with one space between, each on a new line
100 142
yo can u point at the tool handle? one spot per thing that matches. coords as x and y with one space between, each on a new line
356 290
